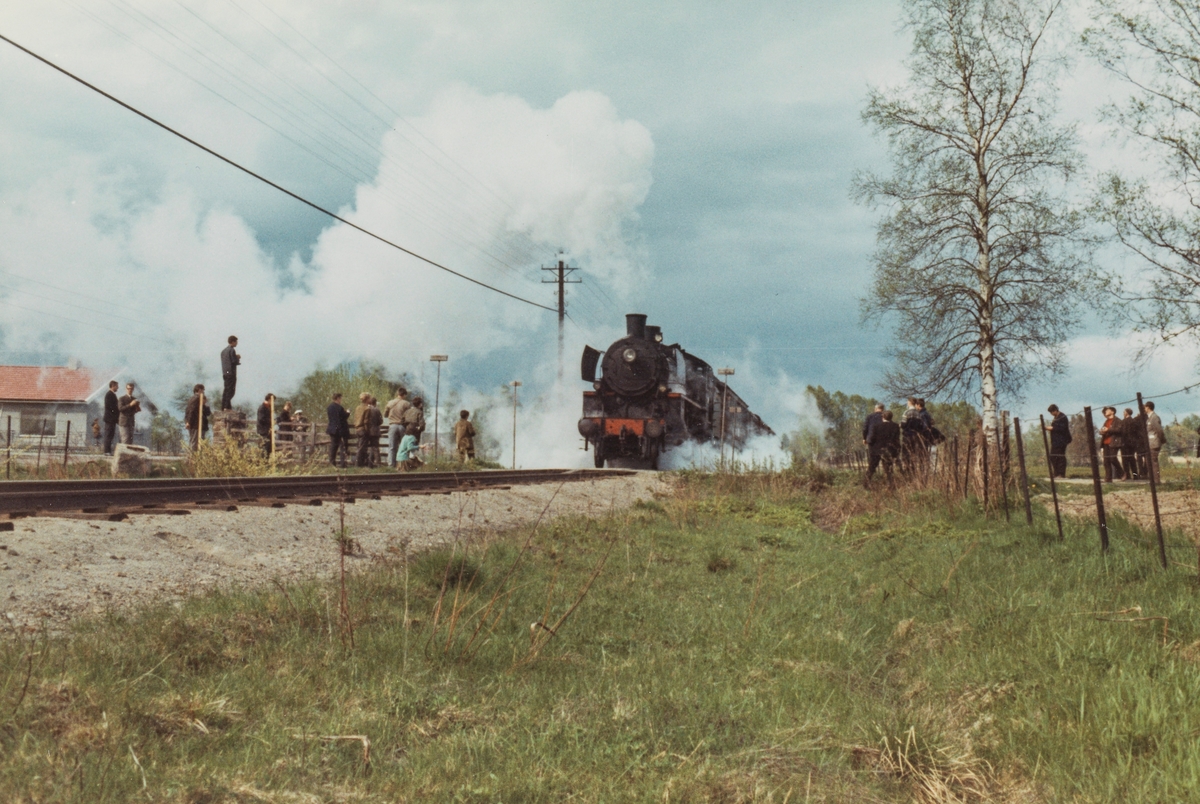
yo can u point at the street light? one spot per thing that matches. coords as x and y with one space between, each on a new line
726 373
515 385
437 398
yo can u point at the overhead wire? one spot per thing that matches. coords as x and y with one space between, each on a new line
267 181
74 320
493 220
396 116
359 173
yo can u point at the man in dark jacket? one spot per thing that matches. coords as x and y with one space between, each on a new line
872 420
196 420
230 360
338 430
1060 437
266 423
883 445
112 415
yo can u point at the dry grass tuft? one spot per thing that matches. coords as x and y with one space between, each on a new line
174 714
448 718
935 774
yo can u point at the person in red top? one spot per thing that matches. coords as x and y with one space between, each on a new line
1110 441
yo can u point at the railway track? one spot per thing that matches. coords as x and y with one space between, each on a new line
116 500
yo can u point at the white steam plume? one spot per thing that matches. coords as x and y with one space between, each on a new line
157 284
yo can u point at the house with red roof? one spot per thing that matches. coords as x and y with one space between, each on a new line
39 403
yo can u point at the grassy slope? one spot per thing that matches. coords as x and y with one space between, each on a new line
729 650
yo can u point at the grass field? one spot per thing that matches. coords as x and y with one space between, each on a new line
749 638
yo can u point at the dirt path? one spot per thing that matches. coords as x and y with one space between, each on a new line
53 570
1179 509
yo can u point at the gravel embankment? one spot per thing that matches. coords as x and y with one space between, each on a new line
53 570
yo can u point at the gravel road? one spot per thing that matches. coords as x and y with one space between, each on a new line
53 570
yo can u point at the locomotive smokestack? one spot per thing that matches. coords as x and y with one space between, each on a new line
635 325
654 333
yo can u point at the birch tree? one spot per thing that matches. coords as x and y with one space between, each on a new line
979 251
1154 47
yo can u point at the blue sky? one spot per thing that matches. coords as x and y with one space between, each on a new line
723 139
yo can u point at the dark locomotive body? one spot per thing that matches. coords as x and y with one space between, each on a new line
651 397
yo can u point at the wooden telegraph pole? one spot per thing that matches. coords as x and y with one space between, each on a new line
515 385
560 273
726 373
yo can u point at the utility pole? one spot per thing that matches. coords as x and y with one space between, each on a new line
726 373
560 273
515 385
437 399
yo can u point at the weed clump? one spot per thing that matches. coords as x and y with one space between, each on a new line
230 460
720 563
447 567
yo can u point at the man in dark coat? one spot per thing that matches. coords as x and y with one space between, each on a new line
872 420
230 360
112 415
1060 437
338 430
196 420
883 446
266 423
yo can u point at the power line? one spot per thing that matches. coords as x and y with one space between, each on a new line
267 181
351 164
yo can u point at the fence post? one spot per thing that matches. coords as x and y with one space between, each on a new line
1021 466
1152 471
954 465
37 471
1053 486
1002 462
67 445
1100 518
8 445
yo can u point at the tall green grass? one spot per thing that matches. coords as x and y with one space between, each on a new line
758 637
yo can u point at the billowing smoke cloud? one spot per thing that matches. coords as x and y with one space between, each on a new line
94 269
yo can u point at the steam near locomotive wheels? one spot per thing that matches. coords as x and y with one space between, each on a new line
650 398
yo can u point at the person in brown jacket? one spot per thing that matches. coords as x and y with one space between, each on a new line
358 420
464 437
1110 443
373 421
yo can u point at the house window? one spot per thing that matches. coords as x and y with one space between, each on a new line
31 425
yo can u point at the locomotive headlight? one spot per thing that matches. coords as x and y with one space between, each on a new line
630 355
662 389
658 337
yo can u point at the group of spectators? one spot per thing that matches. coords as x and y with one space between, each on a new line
1130 444
119 413
405 421
908 441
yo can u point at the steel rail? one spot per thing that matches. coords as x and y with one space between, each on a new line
25 497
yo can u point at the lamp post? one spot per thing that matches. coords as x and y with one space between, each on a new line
437 397
726 373
515 385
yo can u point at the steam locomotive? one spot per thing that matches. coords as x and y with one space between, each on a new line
651 397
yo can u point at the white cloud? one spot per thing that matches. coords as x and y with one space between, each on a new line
164 281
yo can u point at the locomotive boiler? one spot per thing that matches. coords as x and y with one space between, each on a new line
650 398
